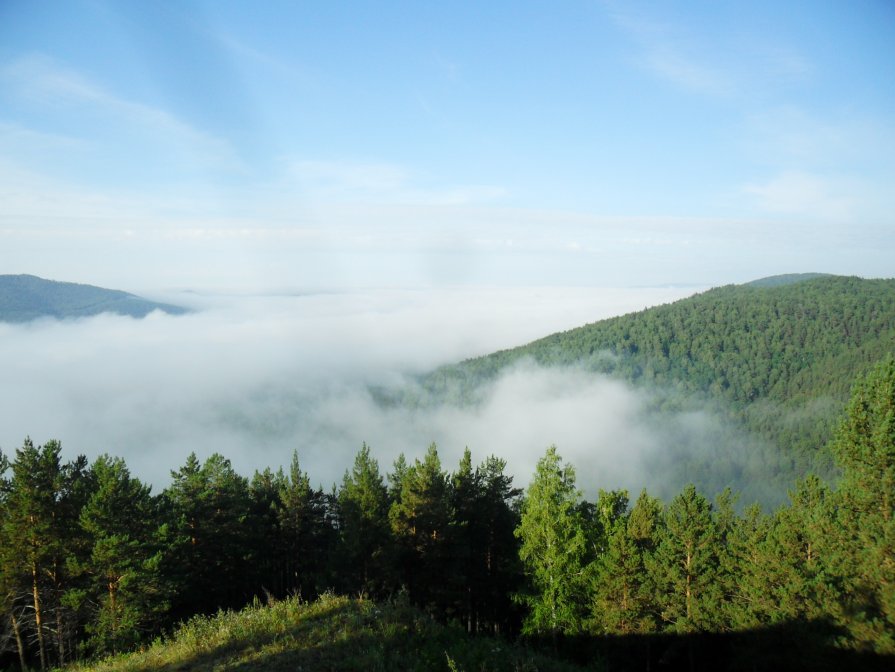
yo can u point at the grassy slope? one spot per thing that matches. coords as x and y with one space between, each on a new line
26 297
333 633
340 633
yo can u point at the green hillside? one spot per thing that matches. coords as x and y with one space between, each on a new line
333 633
341 633
25 297
775 358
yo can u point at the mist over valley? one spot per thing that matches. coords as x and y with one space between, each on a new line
737 387
254 377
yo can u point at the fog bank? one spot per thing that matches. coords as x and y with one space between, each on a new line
256 377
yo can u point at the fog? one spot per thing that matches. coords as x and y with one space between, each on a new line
257 377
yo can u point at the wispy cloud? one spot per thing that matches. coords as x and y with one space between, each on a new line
720 65
41 79
673 65
665 53
341 181
791 136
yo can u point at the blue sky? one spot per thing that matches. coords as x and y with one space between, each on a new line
270 145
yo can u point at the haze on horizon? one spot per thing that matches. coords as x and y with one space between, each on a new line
244 146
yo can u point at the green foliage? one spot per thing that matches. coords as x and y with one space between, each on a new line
624 601
333 633
773 361
207 556
367 548
485 567
91 562
123 591
865 449
420 518
684 568
553 549
305 533
39 534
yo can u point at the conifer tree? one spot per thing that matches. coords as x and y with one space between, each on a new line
623 600
751 601
208 557
124 592
267 557
553 547
365 533
419 519
498 572
465 540
41 506
684 567
305 532
864 447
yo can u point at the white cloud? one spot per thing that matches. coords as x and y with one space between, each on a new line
808 195
788 135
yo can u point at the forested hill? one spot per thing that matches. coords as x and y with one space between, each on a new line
739 342
26 297
776 355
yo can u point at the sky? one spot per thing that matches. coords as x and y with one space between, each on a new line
258 146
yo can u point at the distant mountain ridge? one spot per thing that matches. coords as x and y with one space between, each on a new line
785 279
26 297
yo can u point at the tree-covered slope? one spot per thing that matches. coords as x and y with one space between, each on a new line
26 297
777 357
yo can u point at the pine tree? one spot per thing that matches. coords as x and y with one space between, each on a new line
864 447
124 589
419 519
365 533
465 540
684 567
623 600
207 554
267 557
12 604
43 498
553 549
305 532
497 570
751 601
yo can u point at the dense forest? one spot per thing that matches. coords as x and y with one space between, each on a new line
773 358
91 562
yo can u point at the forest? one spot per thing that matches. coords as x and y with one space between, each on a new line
774 359
92 562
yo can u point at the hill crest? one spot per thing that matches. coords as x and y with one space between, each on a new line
24 298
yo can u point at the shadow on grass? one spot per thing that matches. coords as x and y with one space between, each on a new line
795 645
344 634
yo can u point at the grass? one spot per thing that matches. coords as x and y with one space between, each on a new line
333 633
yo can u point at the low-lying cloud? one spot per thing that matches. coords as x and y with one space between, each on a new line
256 377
